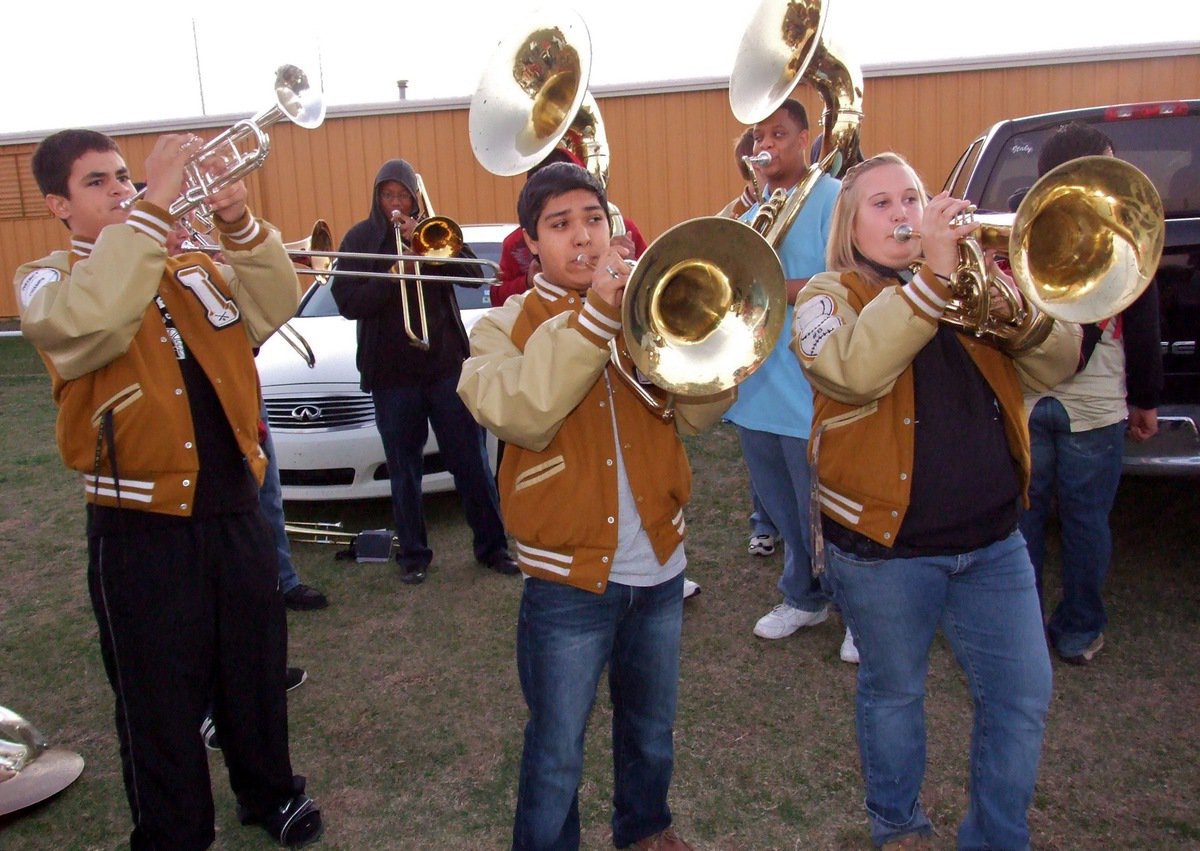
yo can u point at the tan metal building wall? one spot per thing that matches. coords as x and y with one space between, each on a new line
671 151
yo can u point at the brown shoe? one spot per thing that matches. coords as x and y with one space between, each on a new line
909 842
667 840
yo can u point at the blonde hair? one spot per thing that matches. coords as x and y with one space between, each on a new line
841 255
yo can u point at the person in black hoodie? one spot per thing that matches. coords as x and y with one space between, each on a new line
412 386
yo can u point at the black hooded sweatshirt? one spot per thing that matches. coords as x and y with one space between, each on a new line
385 356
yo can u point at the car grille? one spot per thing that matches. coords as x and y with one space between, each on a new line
320 413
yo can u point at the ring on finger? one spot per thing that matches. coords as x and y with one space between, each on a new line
612 272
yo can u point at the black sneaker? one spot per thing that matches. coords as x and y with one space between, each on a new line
502 562
296 678
412 574
295 824
304 598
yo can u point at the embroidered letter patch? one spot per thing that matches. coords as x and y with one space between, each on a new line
815 320
221 311
35 280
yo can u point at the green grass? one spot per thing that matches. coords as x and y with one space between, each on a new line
409 728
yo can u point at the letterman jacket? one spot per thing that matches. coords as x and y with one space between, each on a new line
539 378
856 344
91 314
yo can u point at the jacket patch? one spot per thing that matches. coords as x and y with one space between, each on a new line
32 283
221 311
815 320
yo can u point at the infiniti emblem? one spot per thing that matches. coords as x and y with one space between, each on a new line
306 413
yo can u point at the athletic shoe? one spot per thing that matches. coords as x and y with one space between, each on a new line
304 598
762 545
296 677
783 620
1088 654
690 588
411 574
849 651
294 824
208 732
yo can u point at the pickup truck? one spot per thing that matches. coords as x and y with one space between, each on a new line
1163 140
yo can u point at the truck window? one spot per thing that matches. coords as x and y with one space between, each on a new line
957 183
1165 149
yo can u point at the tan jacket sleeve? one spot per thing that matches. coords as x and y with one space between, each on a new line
856 357
1054 361
263 282
523 397
86 315
701 414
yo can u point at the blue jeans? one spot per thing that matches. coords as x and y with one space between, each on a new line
403 415
1082 470
986 605
778 468
760 520
565 636
270 498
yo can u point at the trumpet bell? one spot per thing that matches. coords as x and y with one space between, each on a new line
703 308
303 105
530 92
1087 238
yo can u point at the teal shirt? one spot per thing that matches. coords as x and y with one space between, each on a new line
777 397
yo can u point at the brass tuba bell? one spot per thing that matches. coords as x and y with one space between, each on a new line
533 97
783 45
1087 239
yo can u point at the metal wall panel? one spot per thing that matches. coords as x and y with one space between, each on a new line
671 153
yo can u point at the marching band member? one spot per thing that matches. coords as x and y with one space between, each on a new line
774 406
922 457
412 387
151 363
594 486
1077 431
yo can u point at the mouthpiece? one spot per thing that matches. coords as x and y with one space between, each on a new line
760 159
903 233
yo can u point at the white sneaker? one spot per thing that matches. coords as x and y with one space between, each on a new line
783 620
849 651
690 588
762 545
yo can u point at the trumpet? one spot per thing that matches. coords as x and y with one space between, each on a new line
222 161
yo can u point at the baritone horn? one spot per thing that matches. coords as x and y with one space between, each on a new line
701 312
224 160
1083 245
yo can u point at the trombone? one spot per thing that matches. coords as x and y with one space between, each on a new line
322 263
